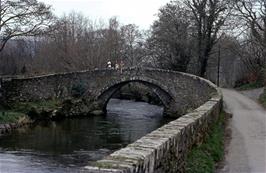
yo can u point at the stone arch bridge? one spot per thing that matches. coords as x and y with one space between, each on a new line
179 92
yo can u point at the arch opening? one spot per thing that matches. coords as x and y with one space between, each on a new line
163 97
137 92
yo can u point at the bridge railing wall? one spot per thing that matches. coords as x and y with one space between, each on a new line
163 150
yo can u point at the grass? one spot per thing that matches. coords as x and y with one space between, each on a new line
203 158
25 107
262 99
18 110
10 117
250 86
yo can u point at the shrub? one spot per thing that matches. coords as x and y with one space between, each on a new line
78 89
202 158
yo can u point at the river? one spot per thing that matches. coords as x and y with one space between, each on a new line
69 145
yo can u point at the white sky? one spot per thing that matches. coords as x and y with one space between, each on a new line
139 12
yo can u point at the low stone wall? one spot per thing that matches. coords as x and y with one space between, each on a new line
163 150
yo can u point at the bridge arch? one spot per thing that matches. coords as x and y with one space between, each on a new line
179 92
162 92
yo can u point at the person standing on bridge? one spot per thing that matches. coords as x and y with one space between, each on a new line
116 65
121 66
109 64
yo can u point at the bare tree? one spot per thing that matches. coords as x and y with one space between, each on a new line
69 44
253 12
77 43
17 57
209 16
170 41
22 18
113 41
253 15
132 42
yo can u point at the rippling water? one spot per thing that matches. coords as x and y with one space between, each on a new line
69 145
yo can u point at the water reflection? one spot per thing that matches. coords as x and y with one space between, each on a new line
67 146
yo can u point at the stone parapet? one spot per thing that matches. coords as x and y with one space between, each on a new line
163 150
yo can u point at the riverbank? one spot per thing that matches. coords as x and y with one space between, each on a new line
13 121
19 114
70 144
206 156
55 109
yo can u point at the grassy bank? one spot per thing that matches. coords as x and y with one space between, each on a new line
203 158
262 99
250 86
10 117
25 107
14 112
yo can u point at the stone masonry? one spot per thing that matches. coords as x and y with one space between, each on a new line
178 92
163 150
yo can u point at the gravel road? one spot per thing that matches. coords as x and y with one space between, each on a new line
247 148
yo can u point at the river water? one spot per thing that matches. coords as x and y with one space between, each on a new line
69 145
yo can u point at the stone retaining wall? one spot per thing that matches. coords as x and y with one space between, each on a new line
163 150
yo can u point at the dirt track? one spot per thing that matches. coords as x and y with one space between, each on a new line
247 148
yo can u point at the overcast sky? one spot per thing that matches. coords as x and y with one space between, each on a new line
139 12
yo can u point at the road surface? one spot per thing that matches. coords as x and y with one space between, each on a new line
253 94
247 148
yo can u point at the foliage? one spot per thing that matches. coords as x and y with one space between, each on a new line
25 107
13 112
209 16
202 158
249 86
170 43
78 89
10 117
262 99
251 81
185 37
